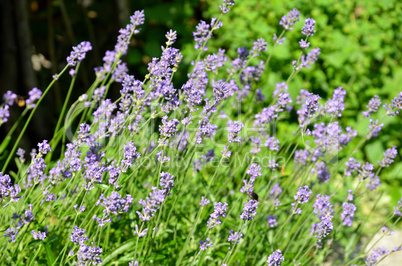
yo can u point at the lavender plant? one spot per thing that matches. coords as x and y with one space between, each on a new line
127 185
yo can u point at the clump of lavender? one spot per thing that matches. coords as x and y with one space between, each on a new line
290 19
204 201
389 156
8 190
78 53
253 171
205 244
234 128
302 196
234 236
38 235
372 106
18 222
156 197
276 258
226 5
249 210
375 256
113 204
219 212
308 28
272 221
348 213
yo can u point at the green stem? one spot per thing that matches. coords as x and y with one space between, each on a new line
29 120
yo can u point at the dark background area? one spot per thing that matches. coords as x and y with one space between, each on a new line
37 36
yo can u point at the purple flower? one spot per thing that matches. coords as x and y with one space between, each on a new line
323 208
303 194
290 19
142 233
348 213
276 258
350 195
351 166
389 156
204 201
249 210
171 37
34 95
204 33
336 105
8 190
309 108
133 263
9 98
272 143
272 221
115 203
215 61
275 191
323 173
254 170
323 229
234 128
278 41
301 156
308 28
307 61
4 114
366 171
215 217
304 44
259 46
398 208
205 244
169 127
375 256
267 115
234 236
372 106
130 154
39 235
272 164
226 5
166 182
78 53
203 160
44 147
87 255
374 128
373 182
78 236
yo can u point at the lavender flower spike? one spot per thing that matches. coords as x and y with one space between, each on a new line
78 53
276 258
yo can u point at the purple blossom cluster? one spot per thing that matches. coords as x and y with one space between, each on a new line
8 190
205 244
290 19
18 221
219 212
249 210
78 53
113 204
276 258
253 171
348 213
156 197
234 128
204 33
325 212
234 236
